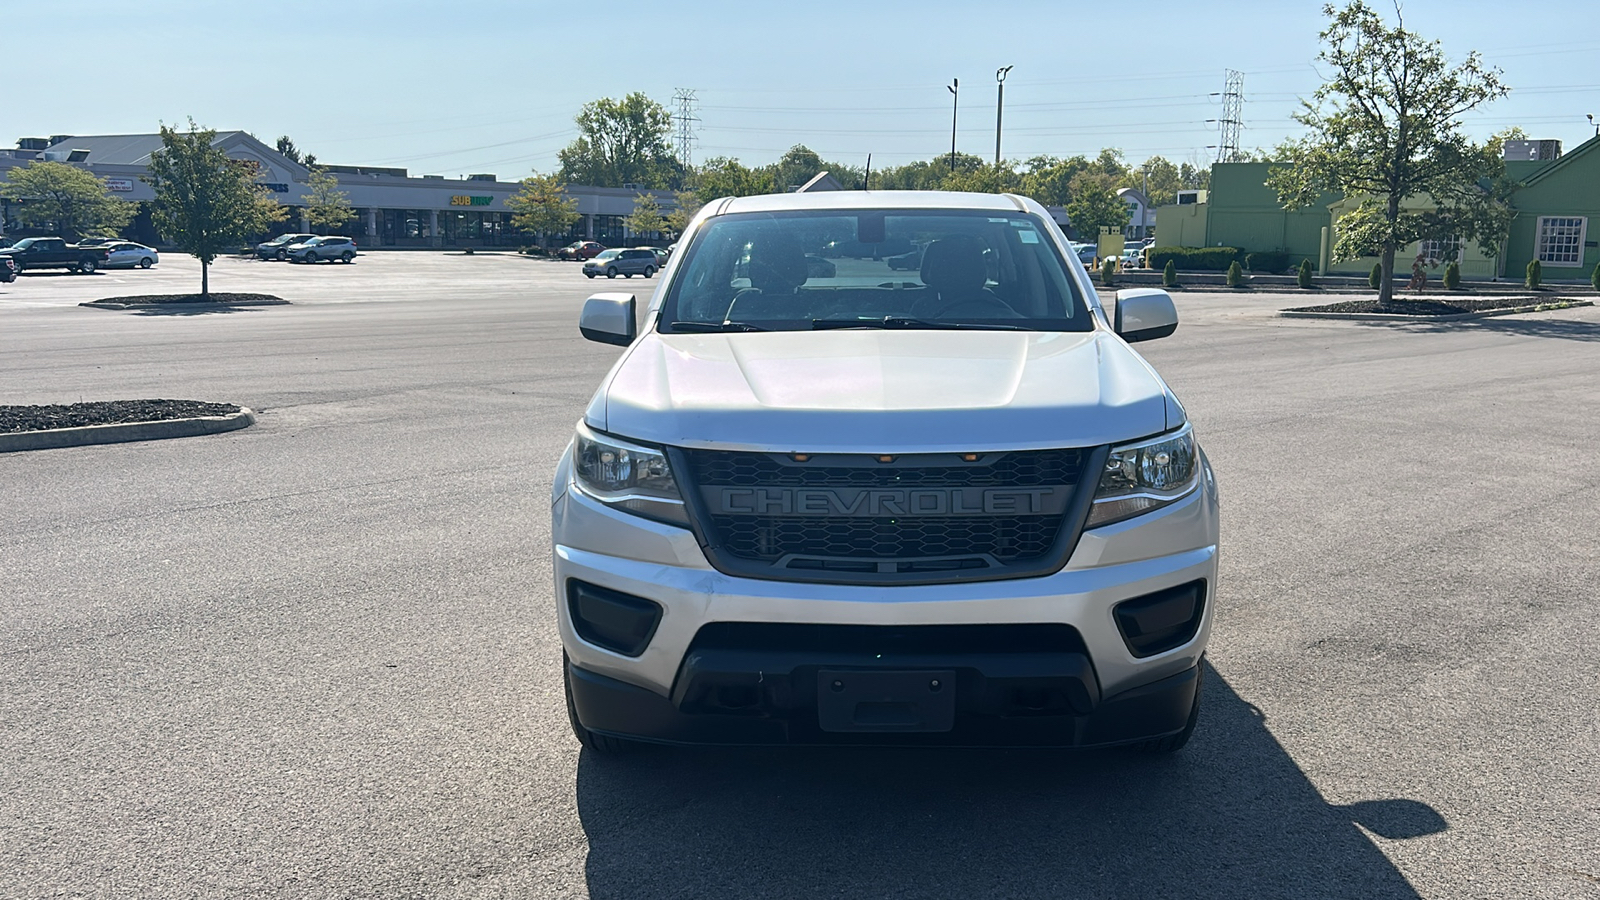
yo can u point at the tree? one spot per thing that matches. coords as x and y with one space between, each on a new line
327 207
1049 180
1169 274
1386 128
287 148
646 216
542 207
205 204
990 178
66 197
1095 204
1303 276
1235 277
1533 275
722 176
680 217
621 143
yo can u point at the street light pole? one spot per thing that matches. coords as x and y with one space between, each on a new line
999 108
954 87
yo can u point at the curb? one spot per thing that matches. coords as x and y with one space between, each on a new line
1452 317
125 431
101 304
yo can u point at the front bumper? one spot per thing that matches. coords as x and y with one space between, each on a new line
1088 689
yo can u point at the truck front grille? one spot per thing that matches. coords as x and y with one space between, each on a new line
870 519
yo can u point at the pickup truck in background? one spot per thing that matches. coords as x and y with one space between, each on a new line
55 253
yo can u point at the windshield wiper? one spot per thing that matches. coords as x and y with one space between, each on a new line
709 327
911 323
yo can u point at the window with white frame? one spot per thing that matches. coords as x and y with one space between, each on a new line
1561 240
1440 250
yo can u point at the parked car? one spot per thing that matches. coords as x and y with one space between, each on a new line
629 263
278 247
961 513
906 261
1132 258
127 255
55 253
320 249
579 250
8 270
661 255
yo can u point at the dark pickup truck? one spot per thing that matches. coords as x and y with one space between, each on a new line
54 253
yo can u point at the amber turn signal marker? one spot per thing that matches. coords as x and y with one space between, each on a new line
969 457
800 457
885 459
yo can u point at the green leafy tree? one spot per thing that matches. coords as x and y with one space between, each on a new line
646 217
680 217
66 197
621 142
1095 204
722 176
990 178
541 207
1533 276
1387 127
1049 180
205 204
1303 276
1169 274
327 207
1235 274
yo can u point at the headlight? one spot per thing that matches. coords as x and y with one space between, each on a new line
626 476
1145 476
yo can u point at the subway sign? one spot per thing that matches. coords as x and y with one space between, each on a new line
464 200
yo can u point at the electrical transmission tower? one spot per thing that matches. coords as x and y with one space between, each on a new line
1232 117
685 117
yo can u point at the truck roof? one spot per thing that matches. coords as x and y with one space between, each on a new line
873 200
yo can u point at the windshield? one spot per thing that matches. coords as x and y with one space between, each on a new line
23 244
804 270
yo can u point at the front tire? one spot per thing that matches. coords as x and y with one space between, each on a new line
603 744
590 274
309 258
611 272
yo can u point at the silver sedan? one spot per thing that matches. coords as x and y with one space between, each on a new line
127 255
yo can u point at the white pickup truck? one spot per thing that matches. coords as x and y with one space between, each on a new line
946 506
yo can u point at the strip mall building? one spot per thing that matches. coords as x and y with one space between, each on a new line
393 209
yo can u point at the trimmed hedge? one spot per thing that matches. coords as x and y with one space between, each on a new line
1202 259
1267 262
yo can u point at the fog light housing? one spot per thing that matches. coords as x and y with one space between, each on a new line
621 623
1156 623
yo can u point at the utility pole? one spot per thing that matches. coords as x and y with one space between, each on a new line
954 87
1232 117
999 108
685 118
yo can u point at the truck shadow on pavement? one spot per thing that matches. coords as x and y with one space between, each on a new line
1230 816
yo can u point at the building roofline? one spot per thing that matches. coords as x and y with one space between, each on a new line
1580 150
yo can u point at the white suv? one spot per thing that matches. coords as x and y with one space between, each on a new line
947 506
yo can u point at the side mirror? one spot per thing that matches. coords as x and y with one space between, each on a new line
608 319
1144 314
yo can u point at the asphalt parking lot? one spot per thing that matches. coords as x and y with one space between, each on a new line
317 657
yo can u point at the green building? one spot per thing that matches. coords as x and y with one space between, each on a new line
1553 207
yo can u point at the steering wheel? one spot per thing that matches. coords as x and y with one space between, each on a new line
981 306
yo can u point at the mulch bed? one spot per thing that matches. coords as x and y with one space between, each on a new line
1418 307
105 412
218 298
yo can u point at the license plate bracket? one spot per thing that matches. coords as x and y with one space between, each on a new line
880 700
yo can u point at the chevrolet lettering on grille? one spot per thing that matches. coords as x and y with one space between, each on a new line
879 502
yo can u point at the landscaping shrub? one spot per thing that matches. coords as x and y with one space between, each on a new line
1304 275
1594 278
1375 280
1235 275
1202 259
1267 262
1108 271
1169 274
1452 275
1534 275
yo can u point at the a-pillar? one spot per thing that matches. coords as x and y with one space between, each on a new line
434 240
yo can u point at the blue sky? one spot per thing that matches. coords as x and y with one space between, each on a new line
492 85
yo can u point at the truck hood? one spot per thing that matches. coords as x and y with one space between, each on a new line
883 391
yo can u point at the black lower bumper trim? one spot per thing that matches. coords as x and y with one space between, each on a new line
613 707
